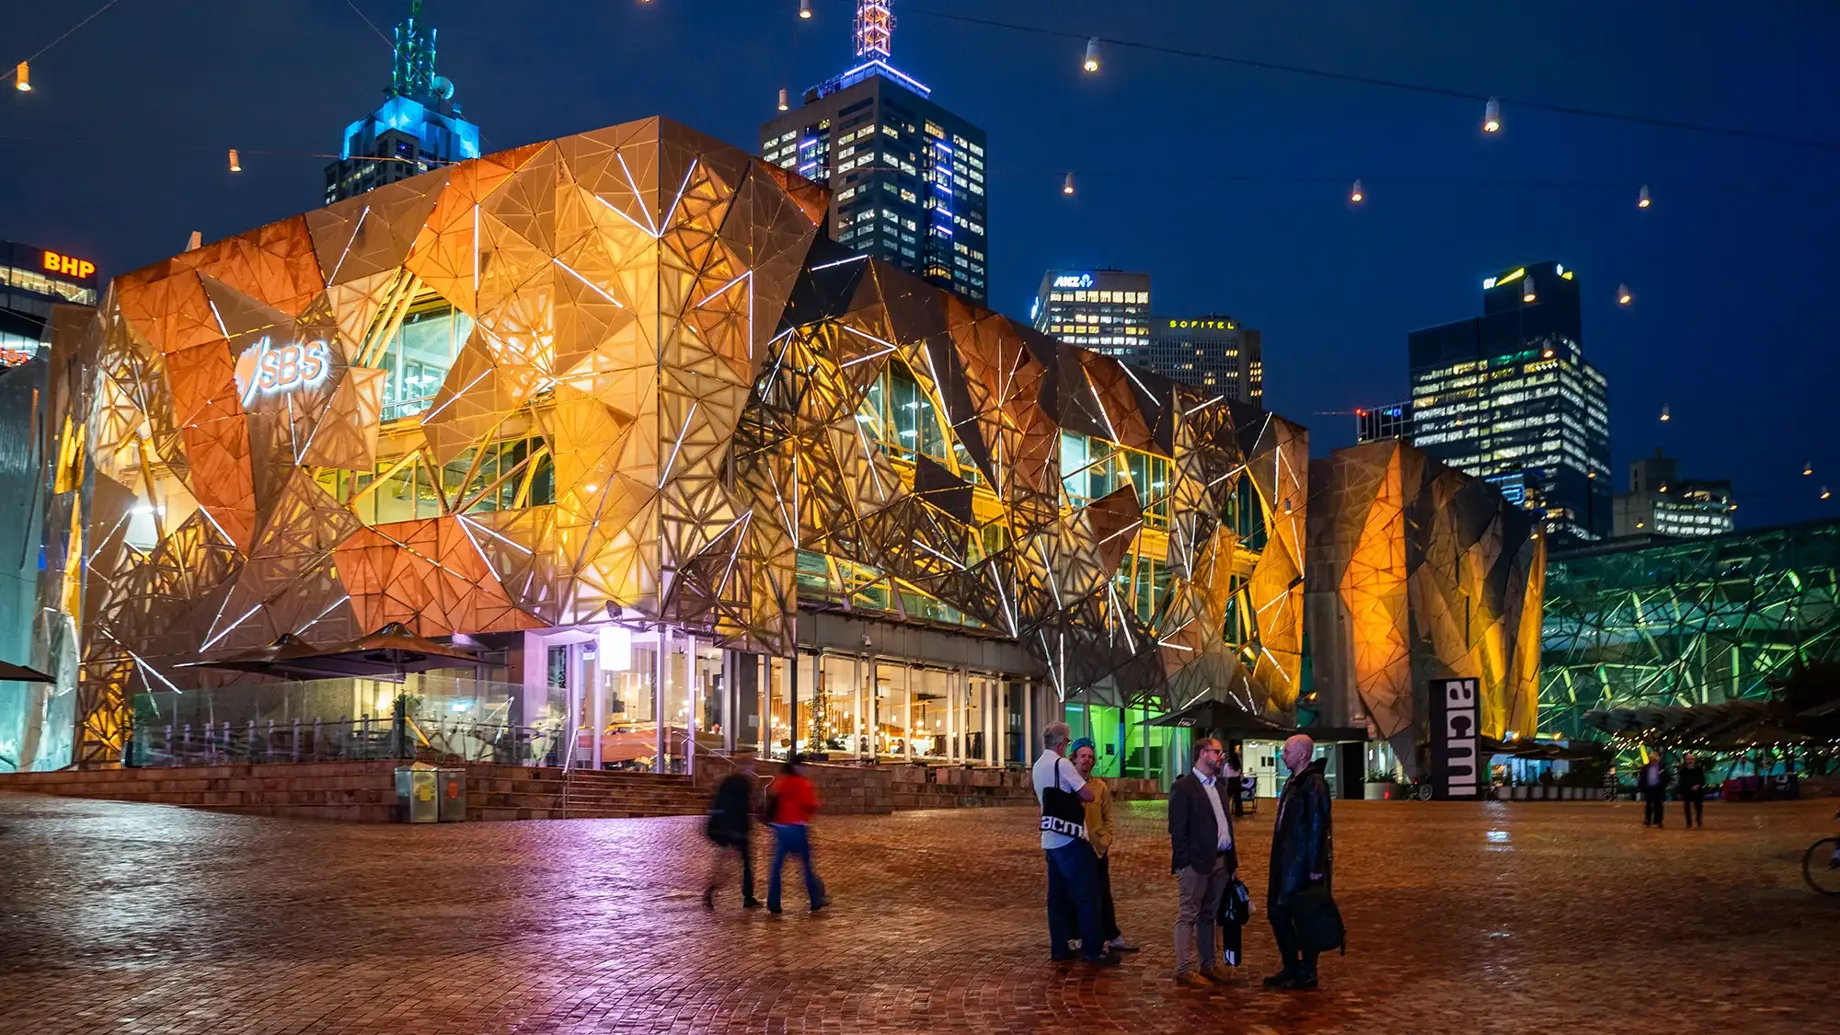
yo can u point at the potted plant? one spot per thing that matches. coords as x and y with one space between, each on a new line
1382 786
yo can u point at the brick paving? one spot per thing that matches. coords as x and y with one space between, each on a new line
119 917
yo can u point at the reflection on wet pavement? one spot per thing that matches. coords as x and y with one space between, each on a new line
135 918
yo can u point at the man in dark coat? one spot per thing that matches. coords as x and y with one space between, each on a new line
1301 856
729 824
1691 790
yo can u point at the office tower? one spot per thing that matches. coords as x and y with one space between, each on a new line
1509 397
1104 310
1384 422
1661 503
418 128
32 280
906 175
1211 351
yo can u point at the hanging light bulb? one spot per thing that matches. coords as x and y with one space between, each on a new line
1622 294
1807 469
1527 292
22 77
784 100
1664 412
236 162
1824 492
1356 195
805 9
1067 187
1642 198
1491 116
1092 54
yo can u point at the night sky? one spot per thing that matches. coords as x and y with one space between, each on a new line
1228 184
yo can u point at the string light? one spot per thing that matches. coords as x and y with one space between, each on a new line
784 100
805 9
1067 185
1824 492
1356 195
1527 292
1622 294
1491 116
22 77
1664 412
1092 54
1642 198
1808 468
236 161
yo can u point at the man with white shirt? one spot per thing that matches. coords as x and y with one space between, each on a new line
1202 858
1073 869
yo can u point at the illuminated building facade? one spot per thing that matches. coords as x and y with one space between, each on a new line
660 432
1211 351
1107 311
1659 502
418 128
39 288
1669 623
1509 397
1384 422
907 176
1418 572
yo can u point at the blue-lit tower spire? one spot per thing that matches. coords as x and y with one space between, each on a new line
418 128
906 174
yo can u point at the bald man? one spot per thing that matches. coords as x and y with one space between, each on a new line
1301 856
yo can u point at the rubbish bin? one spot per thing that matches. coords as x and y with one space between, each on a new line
415 794
450 785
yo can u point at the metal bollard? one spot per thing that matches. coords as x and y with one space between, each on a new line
249 740
316 736
185 746
365 739
270 752
229 742
296 739
169 744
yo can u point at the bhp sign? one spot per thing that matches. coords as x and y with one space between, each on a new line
1456 750
69 266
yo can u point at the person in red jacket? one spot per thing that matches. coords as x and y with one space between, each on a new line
795 802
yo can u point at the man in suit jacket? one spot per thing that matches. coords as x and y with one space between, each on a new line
1201 857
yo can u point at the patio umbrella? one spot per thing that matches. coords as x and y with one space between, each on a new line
21 674
390 651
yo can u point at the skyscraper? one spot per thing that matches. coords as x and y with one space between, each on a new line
1509 397
1211 351
1104 310
1659 502
906 175
418 128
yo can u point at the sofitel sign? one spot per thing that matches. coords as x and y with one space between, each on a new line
267 368
1456 751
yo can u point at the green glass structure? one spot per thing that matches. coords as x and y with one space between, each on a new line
1685 622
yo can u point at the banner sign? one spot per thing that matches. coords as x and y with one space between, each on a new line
1456 751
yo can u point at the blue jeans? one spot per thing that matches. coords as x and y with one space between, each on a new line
793 839
1073 891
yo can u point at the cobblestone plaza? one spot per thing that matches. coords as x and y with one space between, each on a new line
1462 917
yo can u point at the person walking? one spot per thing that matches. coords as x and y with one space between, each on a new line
1690 788
1651 785
728 829
1073 889
1302 856
795 802
1202 858
1233 771
1101 831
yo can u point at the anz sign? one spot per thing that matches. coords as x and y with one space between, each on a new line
1074 280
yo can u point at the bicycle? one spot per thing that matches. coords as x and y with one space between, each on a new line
1821 865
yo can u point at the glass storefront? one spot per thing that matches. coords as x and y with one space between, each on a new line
650 693
1127 745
